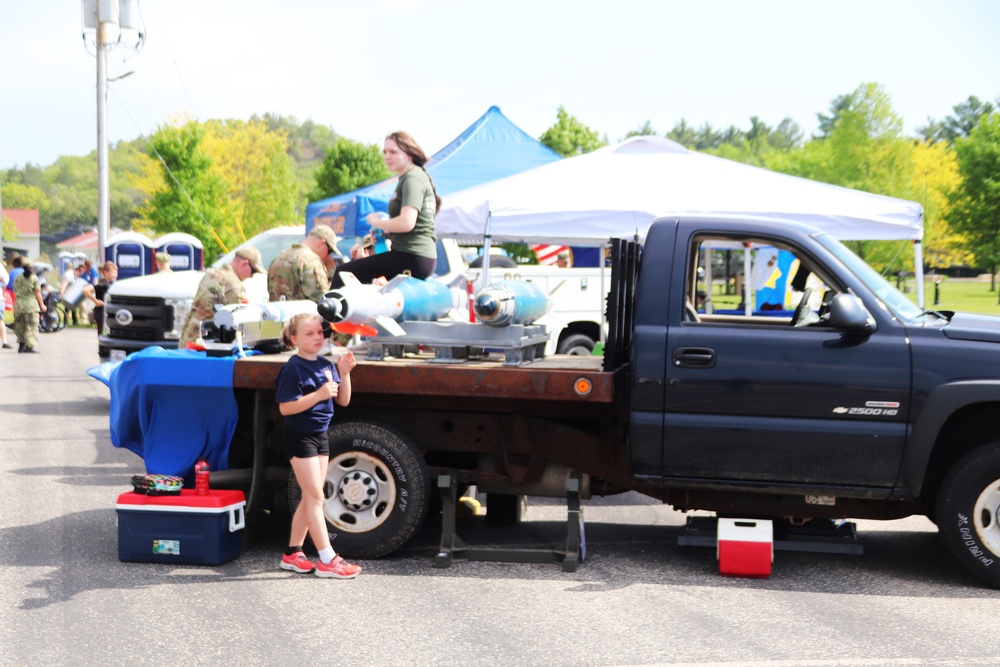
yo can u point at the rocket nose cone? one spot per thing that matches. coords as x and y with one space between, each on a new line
487 305
329 309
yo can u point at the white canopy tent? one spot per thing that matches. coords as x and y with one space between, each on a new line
619 190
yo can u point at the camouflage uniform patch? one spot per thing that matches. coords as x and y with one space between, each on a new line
220 286
297 273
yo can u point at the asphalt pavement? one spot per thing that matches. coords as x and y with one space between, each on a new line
639 599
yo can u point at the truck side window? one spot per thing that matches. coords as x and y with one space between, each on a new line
753 280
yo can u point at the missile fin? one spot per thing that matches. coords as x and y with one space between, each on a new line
390 325
348 278
354 329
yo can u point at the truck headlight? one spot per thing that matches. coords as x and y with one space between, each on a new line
180 308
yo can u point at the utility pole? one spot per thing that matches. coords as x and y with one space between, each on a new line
102 16
103 170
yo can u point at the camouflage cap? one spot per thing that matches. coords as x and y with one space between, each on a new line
329 236
26 263
252 255
162 257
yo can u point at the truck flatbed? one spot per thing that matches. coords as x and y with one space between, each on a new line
555 379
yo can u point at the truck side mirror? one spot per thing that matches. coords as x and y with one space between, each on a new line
849 315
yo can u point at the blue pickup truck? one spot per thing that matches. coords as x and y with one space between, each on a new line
844 400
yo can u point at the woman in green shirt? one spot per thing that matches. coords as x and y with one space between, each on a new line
410 225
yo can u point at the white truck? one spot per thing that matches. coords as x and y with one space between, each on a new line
151 310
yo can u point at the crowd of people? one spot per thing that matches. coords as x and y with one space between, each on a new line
38 306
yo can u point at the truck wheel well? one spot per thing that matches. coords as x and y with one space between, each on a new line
589 329
965 430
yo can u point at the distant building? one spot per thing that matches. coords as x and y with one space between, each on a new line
28 232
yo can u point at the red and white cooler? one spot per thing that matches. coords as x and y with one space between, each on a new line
745 547
186 528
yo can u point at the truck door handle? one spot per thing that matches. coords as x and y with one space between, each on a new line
694 357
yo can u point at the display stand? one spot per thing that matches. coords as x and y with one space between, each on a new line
570 553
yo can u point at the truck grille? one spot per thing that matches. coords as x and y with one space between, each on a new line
140 301
150 318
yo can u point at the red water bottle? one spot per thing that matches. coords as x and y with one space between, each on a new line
201 477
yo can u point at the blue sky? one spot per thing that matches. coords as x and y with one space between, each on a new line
431 67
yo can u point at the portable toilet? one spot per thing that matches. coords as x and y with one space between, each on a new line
132 252
186 251
64 261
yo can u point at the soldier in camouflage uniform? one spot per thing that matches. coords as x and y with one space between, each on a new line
27 306
300 272
220 287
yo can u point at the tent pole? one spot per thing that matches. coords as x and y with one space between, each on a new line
918 270
747 308
487 237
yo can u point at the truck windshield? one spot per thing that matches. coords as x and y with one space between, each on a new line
898 304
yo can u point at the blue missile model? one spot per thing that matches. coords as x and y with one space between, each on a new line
352 308
510 302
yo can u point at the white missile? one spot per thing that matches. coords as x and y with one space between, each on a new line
232 316
355 306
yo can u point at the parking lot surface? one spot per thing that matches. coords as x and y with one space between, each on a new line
639 599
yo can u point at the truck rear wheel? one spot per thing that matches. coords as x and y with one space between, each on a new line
377 489
968 512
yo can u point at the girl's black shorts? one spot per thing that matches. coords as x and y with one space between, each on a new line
305 445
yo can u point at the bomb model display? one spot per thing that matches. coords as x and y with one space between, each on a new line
407 313
510 302
353 308
252 325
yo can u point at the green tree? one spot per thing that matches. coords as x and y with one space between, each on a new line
347 166
307 145
259 175
194 199
18 195
568 136
644 130
221 181
961 124
683 134
862 147
975 203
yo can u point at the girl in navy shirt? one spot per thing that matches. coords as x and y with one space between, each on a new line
306 389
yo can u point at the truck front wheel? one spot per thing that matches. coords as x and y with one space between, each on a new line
968 512
377 489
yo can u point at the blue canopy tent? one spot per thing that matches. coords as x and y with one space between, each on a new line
491 148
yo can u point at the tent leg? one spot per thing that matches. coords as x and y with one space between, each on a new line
918 270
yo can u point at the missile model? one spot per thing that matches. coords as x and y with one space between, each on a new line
510 302
352 308
257 322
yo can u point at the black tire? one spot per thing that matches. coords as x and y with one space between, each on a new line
577 344
968 512
503 509
496 262
382 471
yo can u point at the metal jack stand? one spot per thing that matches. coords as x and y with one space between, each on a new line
570 553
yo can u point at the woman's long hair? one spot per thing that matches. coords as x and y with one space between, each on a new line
408 145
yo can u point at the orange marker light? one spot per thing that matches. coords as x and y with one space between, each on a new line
583 386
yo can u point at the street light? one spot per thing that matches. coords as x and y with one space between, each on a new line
99 18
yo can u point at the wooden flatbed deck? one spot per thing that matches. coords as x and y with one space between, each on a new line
559 378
